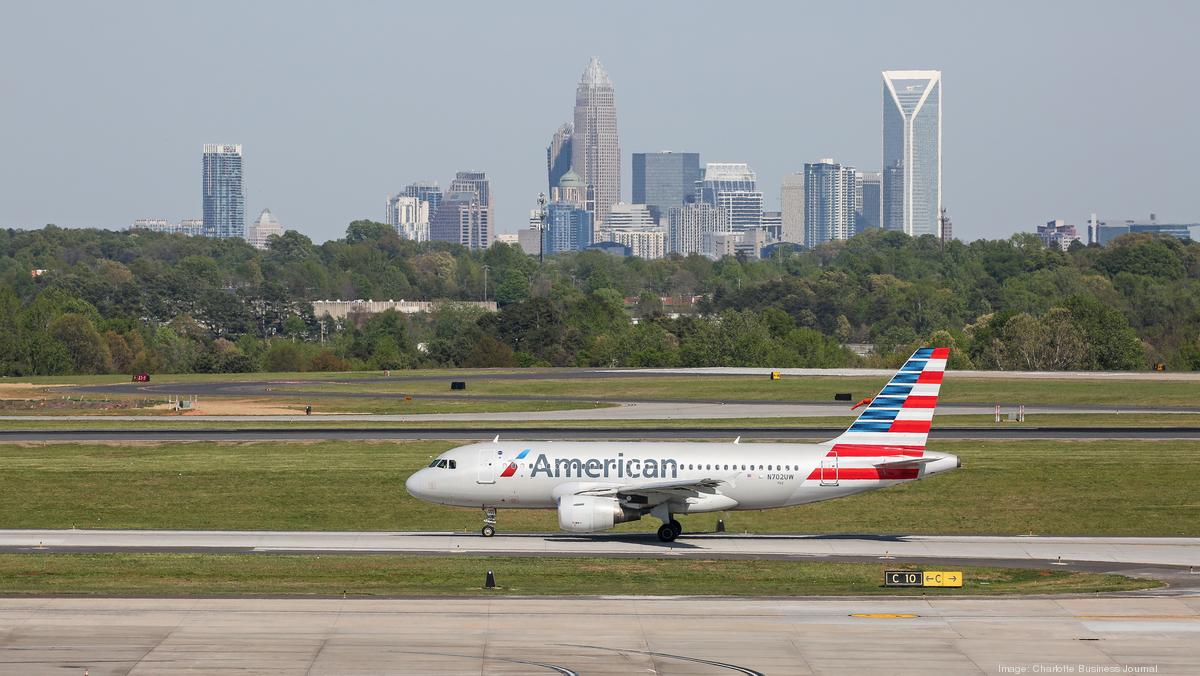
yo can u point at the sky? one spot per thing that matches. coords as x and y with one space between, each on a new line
1050 109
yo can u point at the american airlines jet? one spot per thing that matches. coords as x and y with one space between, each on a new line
595 485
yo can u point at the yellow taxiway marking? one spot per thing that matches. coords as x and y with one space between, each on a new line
884 616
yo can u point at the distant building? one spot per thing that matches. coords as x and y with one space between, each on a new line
595 149
829 190
1105 233
751 243
573 190
633 226
341 309
688 224
664 180
192 227
530 239
261 230
509 238
409 216
1057 234
791 197
568 228
1178 230
223 200
718 245
612 248
912 149
423 190
465 215
772 222
733 187
868 206
558 155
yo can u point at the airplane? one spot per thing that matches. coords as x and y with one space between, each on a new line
594 485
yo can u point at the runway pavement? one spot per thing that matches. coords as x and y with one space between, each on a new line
614 635
168 433
1141 551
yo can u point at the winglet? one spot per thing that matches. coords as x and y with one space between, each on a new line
496 440
738 440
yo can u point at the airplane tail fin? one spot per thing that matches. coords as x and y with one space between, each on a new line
899 416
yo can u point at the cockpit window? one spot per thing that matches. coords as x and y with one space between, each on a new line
453 464
434 463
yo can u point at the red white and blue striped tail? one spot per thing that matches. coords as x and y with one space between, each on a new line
900 415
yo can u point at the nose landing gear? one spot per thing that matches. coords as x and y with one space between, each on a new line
489 522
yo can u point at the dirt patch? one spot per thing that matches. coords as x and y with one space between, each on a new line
243 407
20 391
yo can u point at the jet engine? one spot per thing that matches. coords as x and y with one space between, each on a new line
588 514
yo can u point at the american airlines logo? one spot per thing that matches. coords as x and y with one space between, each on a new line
619 467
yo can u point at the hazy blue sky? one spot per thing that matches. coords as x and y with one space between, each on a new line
1051 109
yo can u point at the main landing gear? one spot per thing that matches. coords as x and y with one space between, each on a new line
489 522
670 530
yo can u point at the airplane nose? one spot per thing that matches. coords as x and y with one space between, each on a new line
415 485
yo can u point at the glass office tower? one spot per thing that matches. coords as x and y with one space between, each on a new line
912 151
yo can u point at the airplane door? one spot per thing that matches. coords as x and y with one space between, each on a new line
829 470
486 473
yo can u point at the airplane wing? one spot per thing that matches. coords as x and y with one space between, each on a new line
682 486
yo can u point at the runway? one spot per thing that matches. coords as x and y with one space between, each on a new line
166 433
1122 551
584 636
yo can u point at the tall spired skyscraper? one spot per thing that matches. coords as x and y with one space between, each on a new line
595 151
558 155
912 151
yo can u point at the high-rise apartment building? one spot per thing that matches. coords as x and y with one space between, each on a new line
224 202
595 150
687 226
791 198
568 228
262 229
558 154
423 190
772 224
912 151
465 214
570 188
409 216
868 208
828 202
733 187
664 180
633 226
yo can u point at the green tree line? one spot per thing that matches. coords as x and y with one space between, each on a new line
98 301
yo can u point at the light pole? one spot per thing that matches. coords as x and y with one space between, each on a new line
541 227
486 267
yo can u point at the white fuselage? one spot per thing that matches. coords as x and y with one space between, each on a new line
533 474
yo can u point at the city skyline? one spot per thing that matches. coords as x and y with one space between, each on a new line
1064 153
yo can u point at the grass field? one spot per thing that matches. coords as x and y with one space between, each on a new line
267 406
820 388
217 575
1067 488
1082 421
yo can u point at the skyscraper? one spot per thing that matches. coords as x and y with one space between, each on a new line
261 230
633 226
733 188
664 180
687 226
868 212
791 198
912 150
224 203
558 154
568 228
465 214
423 190
595 150
409 216
828 202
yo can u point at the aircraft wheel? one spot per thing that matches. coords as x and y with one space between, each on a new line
677 526
666 533
488 531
